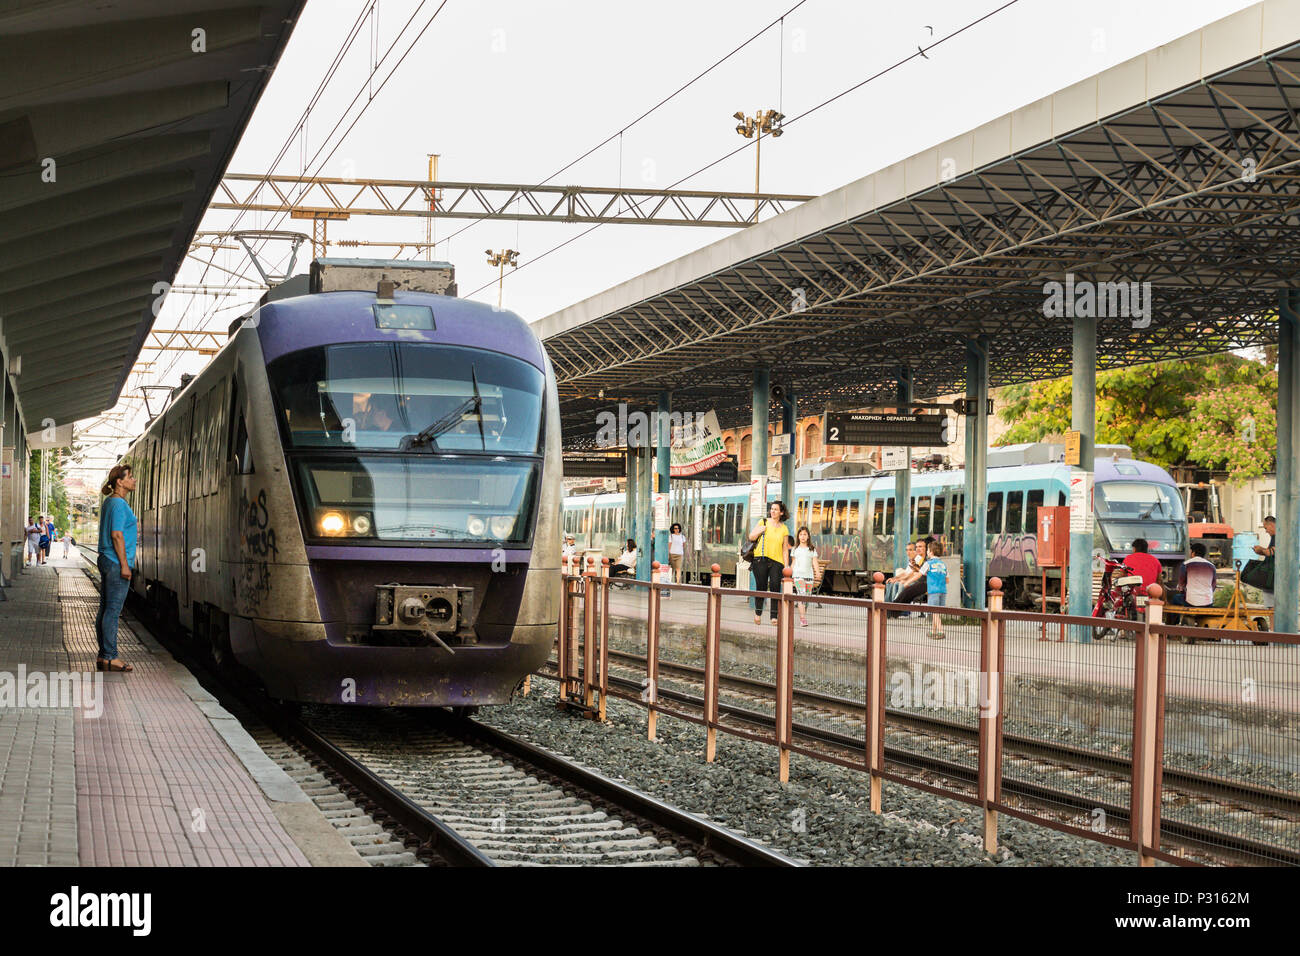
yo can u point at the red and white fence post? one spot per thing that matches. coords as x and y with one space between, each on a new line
990 716
650 694
875 712
712 664
1148 730
604 635
785 672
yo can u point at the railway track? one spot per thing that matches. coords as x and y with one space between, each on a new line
1059 779
420 787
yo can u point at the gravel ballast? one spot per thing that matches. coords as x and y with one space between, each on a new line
822 815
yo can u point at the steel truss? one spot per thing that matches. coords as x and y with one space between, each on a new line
341 198
1195 192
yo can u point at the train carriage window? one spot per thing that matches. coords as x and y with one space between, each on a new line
729 526
923 515
841 517
878 517
801 513
1060 496
993 523
853 517
815 526
710 515
828 517
621 524
1032 504
1015 512
196 444
936 520
889 515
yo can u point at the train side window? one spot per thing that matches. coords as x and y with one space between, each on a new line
853 517
993 524
729 526
1015 512
828 517
815 526
801 513
889 515
197 444
1060 495
841 517
923 515
243 449
937 518
878 517
959 513
1032 504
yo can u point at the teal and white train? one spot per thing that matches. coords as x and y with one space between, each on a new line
852 519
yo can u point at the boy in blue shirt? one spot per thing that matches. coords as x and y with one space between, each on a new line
936 589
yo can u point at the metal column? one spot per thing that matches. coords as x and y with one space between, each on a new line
974 557
1286 618
629 497
758 441
645 512
1083 419
903 479
663 463
791 461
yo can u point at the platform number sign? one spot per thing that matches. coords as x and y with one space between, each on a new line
885 428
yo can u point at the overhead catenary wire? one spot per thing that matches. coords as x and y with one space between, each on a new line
920 53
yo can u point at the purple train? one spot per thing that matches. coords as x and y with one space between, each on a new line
353 500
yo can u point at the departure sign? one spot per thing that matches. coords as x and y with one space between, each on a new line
582 465
884 428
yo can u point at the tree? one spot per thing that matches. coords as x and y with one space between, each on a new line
1218 412
58 504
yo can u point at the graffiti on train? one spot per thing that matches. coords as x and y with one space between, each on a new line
1013 555
257 549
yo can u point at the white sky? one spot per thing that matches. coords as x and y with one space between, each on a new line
513 90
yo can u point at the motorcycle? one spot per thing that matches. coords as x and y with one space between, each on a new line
1120 598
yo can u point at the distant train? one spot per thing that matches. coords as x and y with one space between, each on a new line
852 519
356 499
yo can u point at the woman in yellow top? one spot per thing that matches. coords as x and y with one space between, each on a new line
771 555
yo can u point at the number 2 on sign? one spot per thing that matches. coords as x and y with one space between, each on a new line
835 433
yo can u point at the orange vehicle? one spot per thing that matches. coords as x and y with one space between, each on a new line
1205 521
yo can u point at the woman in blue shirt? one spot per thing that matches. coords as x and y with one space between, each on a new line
117 536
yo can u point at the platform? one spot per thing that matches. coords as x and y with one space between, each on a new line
144 768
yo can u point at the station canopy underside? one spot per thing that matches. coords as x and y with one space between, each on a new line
1178 168
116 123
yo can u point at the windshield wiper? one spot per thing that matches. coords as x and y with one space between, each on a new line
429 434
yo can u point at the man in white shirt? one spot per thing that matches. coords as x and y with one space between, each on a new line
1197 579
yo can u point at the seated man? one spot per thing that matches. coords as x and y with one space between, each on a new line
894 585
1145 565
570 547
1196 580
914 581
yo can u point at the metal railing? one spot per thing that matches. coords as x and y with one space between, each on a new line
989 705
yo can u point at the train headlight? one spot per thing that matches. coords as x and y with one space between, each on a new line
502 526
332 523
361 524
475 525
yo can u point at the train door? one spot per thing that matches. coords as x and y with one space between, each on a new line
183 440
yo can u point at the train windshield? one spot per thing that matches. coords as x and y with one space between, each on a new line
1141 509
372 395
418 498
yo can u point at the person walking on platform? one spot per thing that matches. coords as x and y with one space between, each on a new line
67 542
42 539
804 557
936 588
771 555
117 537
32 548
51 535
676 550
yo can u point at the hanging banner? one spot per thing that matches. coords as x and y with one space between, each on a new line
661 511
757 498
1080 501
698 447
